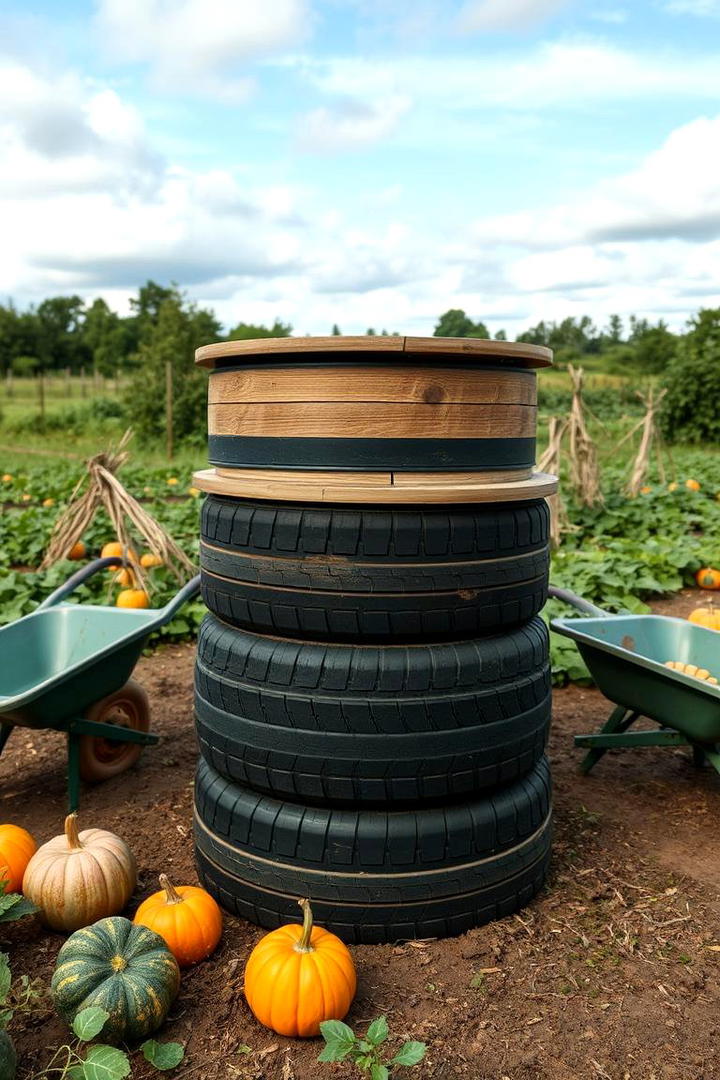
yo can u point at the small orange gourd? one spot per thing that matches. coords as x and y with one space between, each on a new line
692 485
115 549
706 616
133 598
149 560
298 976
707 578
77 551
17 848
186 917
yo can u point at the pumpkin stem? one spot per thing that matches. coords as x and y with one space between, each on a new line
172 896
303 944
71 832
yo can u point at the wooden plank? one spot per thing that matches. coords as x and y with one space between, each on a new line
354 420
524 354
532 355
207 354
468 386
374 479
292 476
538 486
498 476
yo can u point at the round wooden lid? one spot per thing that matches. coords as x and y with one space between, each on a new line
457 350
420 489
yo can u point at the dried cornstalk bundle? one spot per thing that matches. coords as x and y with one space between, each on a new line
550 462
101 488
650 436
584 469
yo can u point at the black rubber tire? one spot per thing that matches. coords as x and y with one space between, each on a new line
371 724
374 876
372 574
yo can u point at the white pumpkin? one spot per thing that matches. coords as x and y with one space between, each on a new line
77 878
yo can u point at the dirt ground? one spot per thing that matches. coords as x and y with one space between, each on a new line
612 974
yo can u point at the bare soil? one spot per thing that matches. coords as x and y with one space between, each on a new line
612 974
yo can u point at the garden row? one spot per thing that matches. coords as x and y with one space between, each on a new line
617 555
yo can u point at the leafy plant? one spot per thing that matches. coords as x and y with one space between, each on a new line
103 1062
13 906
368 1053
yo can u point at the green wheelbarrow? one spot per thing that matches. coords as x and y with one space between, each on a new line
626 656
67 667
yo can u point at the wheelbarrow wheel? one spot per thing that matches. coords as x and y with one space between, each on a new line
101 758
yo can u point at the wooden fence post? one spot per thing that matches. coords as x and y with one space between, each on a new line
169 408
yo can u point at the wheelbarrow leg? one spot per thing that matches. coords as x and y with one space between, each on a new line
6 731
619 720
73 752
97 729
710 754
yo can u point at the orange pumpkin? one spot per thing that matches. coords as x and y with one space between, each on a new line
17 848
77 551
707 578
133 598
148 560
125 577
115 548
298 976
706 616
186 917
693 485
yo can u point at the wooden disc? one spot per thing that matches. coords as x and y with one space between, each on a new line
330 487
348 349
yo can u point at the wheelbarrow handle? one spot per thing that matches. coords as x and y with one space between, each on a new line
78 578
190 589
577 602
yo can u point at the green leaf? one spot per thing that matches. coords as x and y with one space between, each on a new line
17 908
5 976
334 1050
89 1022
378 1031
105 1063
6 1016
379 1072
335 1029
163 1055
410 1054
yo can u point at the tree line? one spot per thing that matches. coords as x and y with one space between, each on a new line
66 333
164 328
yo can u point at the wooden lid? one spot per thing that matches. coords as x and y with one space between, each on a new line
387 488
458 350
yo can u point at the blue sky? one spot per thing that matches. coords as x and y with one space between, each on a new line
365 162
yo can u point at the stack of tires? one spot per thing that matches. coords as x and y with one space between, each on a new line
372 702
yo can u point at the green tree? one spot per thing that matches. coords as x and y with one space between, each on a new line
500 335
692 379
336 330
245 331
455 323
177 330
59 336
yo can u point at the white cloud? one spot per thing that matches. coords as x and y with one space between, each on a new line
565 74
612 16
477 16
200 45
701 8
350 123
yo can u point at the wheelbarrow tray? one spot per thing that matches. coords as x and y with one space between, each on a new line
58 661
626 655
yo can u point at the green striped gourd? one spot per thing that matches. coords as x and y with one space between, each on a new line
125 969
8 1057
